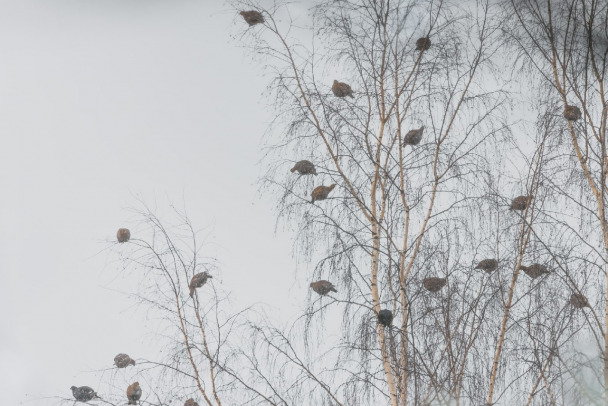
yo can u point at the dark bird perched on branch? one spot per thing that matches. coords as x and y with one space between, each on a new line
304 168
321 192
123 361
488 265
190 402
385 317
534 270
572 113
133 393
123 235
323 287
413 137
252 17
520 202
341 89
422 44
579 301
198 280
434 284
83 393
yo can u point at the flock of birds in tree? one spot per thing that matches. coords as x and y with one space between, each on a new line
413 137
134 392
323 287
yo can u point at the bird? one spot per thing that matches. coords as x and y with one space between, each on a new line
190 402
341 89
572 113
520 202
422 44
123 235
304 168
434 284
579 301
84 393
252 17
488 265
323 287
198 280
534 270
133 393
123 361
385 317
321 192
413 137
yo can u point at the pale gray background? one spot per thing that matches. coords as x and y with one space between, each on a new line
100 101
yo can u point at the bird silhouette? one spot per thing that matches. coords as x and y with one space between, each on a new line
323 287
385 317
133 393
304 168
422 44
198 280
84 393
520 202
434 284
572 113
579 301
341 89
123 235
321 192
252 17
534 270
413 137
123 361
488 265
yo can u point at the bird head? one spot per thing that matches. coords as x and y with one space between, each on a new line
132 362
207 275
332 186
335 82
73 388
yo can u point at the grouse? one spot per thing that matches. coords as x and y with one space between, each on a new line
190 402
534 270
579 301
321 192
252 17
83 393
413 137
133 393
198 280
323 287
434 284
341 89
304 168
572 113
488 265
123 361
422 44
123 235
520 203
385 317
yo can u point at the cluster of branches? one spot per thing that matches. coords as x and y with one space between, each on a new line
402 213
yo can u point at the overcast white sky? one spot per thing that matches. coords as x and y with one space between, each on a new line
101 100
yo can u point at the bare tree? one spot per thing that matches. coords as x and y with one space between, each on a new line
560 46
407 132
